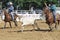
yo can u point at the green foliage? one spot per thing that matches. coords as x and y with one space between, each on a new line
21 2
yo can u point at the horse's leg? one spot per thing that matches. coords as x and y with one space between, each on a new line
50 27
59 21
56 24
33 26
10 24
5 25
15 22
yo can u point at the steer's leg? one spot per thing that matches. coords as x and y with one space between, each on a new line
22 28
36 25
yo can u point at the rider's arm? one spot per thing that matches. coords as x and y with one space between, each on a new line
45 4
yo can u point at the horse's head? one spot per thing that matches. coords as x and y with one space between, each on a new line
4 11
46 10
47 13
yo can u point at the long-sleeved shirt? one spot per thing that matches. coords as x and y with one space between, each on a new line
11 8
53 7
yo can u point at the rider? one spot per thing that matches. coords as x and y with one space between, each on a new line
53 10
11 9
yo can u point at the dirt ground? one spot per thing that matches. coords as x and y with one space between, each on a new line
15 34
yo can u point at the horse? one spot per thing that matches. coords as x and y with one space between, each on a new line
49 18
8 18
58 18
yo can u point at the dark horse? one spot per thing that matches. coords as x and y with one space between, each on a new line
49 17
8 18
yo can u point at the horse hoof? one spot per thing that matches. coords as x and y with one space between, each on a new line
33 29
50 30
38 29
10 27
16 25
3 28
21 30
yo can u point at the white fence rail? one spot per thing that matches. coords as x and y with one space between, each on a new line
58 10
28 11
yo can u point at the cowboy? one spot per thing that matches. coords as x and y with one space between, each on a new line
53 10
11 9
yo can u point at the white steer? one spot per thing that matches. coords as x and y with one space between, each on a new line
29 19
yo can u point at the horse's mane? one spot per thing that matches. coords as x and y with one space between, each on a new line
48 14
5 11
47 10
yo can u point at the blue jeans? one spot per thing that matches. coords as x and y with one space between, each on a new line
54 15
10 11
12 16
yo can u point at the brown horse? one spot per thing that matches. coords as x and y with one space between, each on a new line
58 18
49 17
8 18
